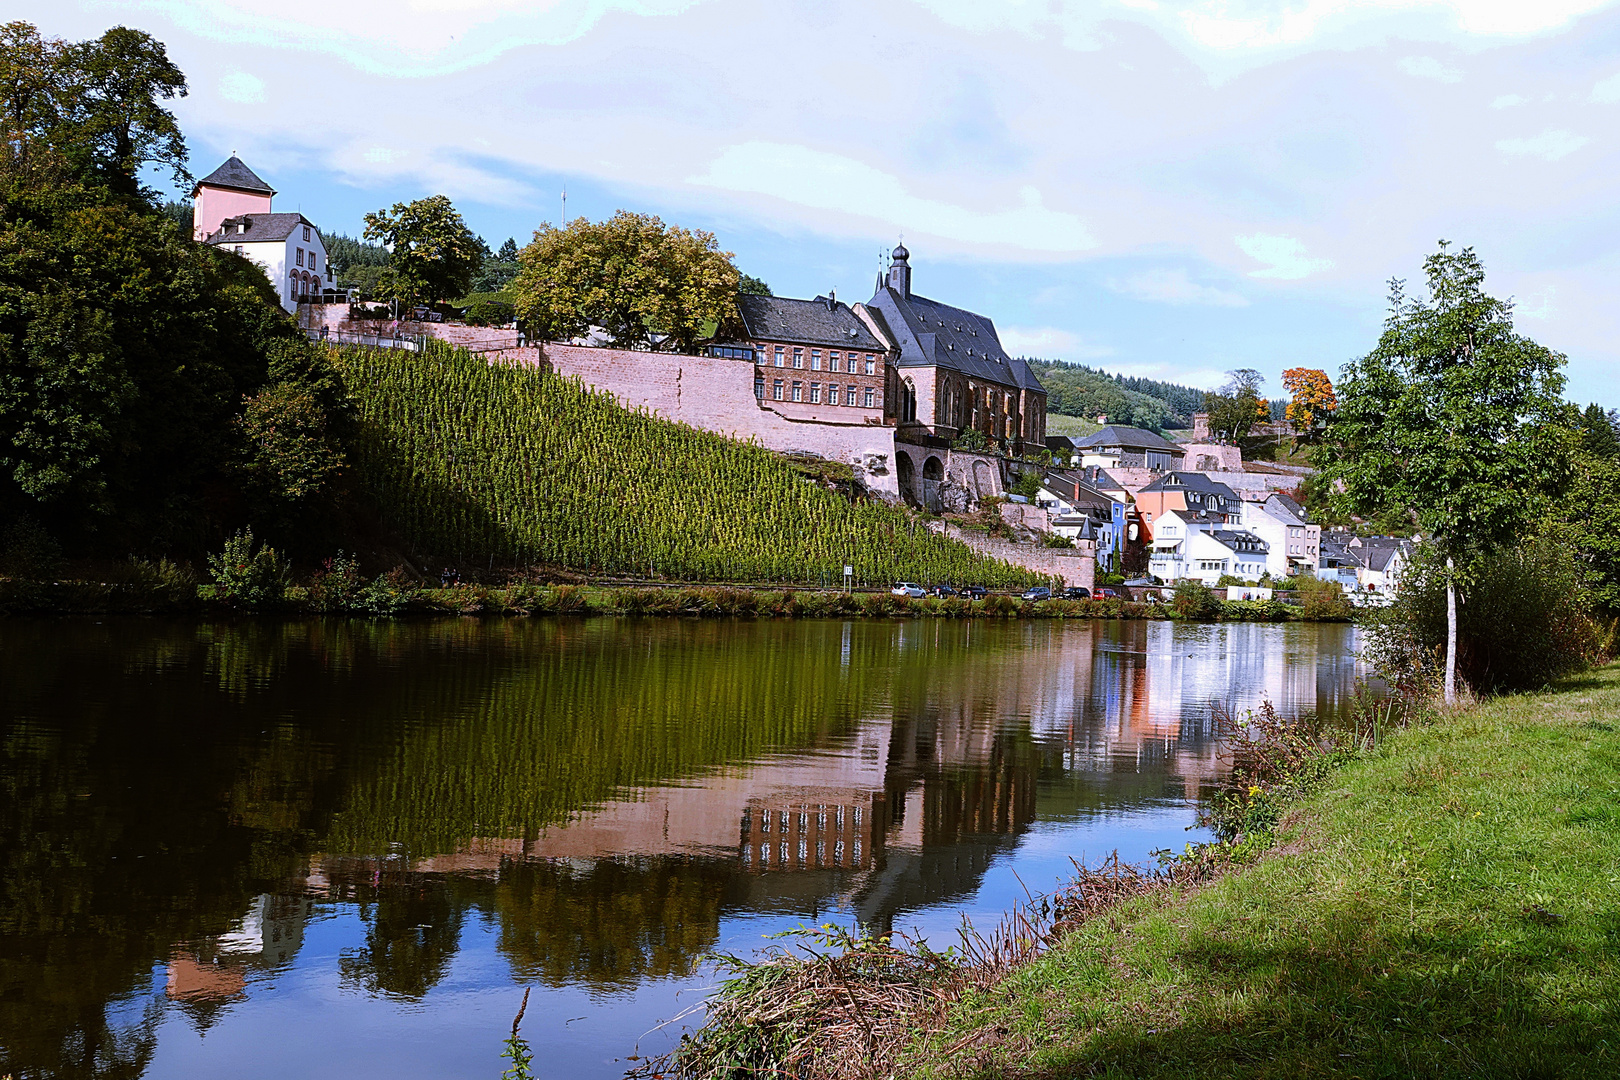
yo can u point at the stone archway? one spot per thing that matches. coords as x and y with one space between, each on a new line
933 474
983 482
907 475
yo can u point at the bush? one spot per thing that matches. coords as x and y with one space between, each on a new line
1322 601
244 577
1053 540
28 551
386 596
1192 600
337 585
485 312
1523 619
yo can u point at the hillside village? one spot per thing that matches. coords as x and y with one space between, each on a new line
919 400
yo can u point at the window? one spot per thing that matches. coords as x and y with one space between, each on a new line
832 361
798 391
871 366
776 390
759 388
312 260
300 256
815 361
815 393
849 397
306 234
779 356
239 249
867 393
832 393
798 358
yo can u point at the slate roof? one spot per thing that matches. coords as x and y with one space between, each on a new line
1191 481
1075 492
1130 438
1197 517
262 228
1292 507
1376 556
1239 541
821 321
930 334
237 176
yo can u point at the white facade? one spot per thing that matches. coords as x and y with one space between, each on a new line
1186 547
296 264
1293 545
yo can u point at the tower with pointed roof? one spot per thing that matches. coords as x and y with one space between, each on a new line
229 191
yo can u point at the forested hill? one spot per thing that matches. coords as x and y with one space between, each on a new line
1078 390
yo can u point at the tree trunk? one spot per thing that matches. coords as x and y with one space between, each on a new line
1451 634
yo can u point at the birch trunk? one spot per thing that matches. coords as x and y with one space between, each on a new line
1451 634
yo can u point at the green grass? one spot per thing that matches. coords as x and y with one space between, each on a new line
1072 426
1448 905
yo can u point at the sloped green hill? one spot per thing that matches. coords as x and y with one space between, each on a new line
467 461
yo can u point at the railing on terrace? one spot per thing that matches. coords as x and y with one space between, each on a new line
411 342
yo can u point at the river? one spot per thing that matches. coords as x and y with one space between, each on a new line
340 848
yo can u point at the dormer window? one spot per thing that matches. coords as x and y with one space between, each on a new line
306 234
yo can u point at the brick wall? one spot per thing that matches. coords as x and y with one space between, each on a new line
718 395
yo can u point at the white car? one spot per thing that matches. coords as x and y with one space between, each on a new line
907 588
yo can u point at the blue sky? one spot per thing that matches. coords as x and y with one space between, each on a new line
1161 188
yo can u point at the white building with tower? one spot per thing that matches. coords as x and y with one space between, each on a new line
231 209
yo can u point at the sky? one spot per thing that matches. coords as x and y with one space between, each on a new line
1159 188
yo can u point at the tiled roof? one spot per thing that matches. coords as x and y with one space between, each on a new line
261 228
813 322
1130 438
234 174
931 334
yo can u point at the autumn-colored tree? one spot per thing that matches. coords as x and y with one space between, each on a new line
643 282
1312 400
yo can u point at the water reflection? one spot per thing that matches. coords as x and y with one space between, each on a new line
579 804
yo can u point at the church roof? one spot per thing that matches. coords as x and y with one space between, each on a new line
261 228
236 176
822 321
932 334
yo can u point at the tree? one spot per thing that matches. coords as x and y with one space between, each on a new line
432 254
749 285
31 82
644 283
1452 420
1600 432
114 124
1237 406
1313 400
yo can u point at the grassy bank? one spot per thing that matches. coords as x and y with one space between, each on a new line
386 598
1445 905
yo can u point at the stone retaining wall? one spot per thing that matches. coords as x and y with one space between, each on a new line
1074 566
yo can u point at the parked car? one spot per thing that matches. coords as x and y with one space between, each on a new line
908 588
975 592
943 591
1109 593
1039 592
1076 592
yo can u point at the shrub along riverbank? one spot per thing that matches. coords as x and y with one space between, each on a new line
155 591
1436 901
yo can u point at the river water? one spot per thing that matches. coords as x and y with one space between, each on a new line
340 849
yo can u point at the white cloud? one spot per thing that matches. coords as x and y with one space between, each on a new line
1284 257
1509 101
1166 286
242 88
824 181
1607 91
1550 145
1049 342
1427 67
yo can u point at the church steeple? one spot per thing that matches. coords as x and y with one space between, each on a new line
900 270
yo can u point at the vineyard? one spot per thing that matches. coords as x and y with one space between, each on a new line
470 461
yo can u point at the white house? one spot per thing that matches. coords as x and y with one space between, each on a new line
1202 546
231 209
1382 560
1293 543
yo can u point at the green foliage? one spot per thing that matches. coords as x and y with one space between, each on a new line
1320 600
490 310
1588 519
337 585
495 269
1453 418
1192 600
1524 619
432 253
468 459
386 596
973 441
1078 390
249 577
1238 405
1600 432
28 551
641 281
749 285
288 457
1028 485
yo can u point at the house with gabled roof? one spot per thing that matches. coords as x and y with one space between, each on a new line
813 359
950 374
231 210
1120 446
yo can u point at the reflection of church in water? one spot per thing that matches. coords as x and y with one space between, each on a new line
909 809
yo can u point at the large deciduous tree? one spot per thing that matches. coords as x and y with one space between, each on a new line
642 282
1312 400
1452 421
1237 406
432 254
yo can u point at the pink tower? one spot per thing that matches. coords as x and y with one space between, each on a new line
228 191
